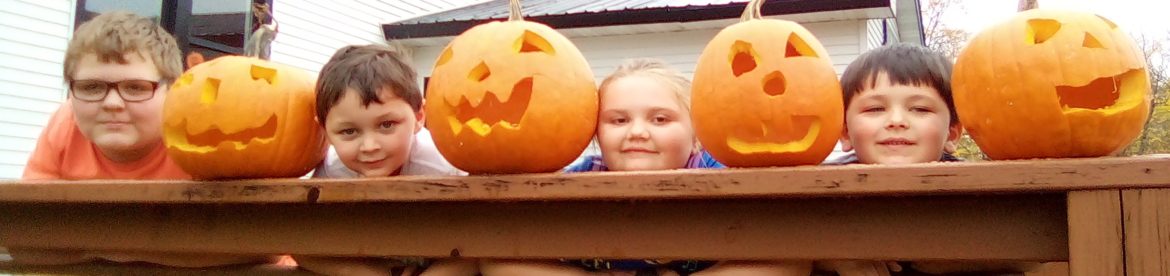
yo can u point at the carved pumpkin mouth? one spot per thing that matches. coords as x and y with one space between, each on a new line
209 140
481 118
1103 94
780 132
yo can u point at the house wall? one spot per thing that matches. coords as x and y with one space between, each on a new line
310 31
32 52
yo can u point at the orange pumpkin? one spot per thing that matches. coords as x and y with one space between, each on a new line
766 94
238 117
1052 84
511 97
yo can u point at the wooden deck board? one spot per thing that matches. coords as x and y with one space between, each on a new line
992 227
809 181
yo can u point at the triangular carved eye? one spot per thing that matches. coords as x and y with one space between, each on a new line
743 58
479 73
1091 42
798 48
1108 22
443 58
1040 30
532 42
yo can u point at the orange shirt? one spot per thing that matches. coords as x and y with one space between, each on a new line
64 153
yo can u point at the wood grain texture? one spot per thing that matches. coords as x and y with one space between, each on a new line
8 268
988 227
1147 231
808 181
1050 269
1095 233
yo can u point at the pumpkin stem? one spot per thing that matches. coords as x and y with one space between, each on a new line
514 11
752 10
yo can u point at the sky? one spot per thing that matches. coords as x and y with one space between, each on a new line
1151 17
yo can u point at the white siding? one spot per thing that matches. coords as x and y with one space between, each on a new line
31 83
876 32
310 31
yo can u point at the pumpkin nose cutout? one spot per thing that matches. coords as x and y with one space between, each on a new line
743 58
1091 42
532 42
1040 30
774 83
210 91
479 73
798 48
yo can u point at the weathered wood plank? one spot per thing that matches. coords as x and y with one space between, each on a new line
990 227
1095 233
145 269
808 181
1147 231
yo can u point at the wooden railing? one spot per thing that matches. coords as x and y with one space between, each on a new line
1105 216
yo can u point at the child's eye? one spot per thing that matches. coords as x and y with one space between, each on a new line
921 109
347 132
873 109
660 119
387 124
619 121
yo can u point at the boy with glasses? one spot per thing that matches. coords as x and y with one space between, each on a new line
118 67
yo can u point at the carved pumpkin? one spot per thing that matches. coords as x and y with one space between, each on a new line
766 94
1052 84
237 117
511 97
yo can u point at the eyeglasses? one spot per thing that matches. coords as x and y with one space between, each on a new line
129 90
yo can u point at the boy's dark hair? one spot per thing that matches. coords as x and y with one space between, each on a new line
904 64
367 70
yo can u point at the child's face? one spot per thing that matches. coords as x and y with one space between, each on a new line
122 130
372 140
898 124
642 126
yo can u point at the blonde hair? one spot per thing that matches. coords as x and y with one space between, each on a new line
112 35
657 69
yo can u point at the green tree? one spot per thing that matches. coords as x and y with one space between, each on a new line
1155 136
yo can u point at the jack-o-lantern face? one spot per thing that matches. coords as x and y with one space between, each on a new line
1052 84
238 117
766 94
511 97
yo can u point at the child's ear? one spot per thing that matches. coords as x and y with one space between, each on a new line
420 117
954 132
846 145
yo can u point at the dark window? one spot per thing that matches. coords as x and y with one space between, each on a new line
211 27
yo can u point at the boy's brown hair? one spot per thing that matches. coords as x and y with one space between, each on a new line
114 34
368 70
903 64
